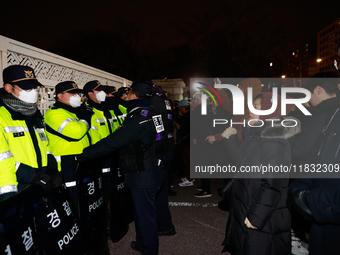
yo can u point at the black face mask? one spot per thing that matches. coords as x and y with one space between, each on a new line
112 100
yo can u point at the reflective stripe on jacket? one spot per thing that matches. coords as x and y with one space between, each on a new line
17 146
100 126
67 125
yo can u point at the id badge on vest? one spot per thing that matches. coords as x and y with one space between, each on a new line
167 105
158 122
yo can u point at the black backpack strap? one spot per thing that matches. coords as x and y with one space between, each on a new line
69 139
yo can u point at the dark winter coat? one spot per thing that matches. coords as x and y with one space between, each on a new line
325 208
307 142
262 201
137 126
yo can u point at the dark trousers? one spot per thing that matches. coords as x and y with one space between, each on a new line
206 184
185 150
169 158
164 221
144 201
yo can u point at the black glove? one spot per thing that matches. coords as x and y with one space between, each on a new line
43 180
55 175
299 199
85 113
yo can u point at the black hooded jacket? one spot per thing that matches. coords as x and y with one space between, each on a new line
262 200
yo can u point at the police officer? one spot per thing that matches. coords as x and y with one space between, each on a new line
163 107
67 130
24 152
144 171
101 126
101 121
121 207
122 94
113 100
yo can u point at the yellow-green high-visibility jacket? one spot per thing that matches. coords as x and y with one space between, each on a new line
123 110
66 133
20 145
118 116
101 125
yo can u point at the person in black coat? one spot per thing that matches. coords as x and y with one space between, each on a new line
324 205
259 219
139 160
321 129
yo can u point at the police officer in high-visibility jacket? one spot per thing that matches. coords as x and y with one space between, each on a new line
25 157
101 126
101 121
122 93
140 160
113 100
67 130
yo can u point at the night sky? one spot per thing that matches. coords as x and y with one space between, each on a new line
154 39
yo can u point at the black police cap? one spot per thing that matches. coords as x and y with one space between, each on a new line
22 76
123 90
67 86
93 85
143 88
110 89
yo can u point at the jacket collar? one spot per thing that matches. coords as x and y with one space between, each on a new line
137 103
326 105
69 108
101 107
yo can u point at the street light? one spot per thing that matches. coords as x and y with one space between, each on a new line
283 76
319 60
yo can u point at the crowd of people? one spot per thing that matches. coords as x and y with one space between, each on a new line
265 211
138 133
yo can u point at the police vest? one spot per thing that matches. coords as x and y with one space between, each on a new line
19 143
66 133
139 156
162 106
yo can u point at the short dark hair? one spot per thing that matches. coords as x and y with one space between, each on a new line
329 81
138 95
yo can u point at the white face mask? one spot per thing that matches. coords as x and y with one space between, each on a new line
101 96
28 96
75 101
